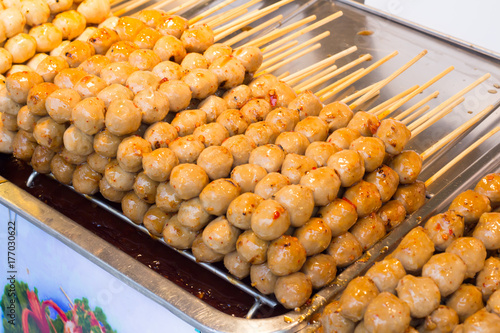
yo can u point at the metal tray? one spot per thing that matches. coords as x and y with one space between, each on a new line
387 36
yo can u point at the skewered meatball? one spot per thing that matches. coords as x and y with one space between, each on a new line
215 51
349 165
131 151
221 236
153 104
280 95
471 251
88 115
387 313
106 143
197 38
415 250
85 180
145 187
218 194
494 303
168 70
339 215
240 210
394 134
58 51
23 145
441 320
481 321
345 249
314 128
371 149
10 121
216 161
285 119
192 215
386 274
78 142
187 149
170 48
161 135
147 38
77 52
307 103
229 70
337 115
98 162
40 161
37 97
123 117
109 23
270 220
157 164
487 230
121 51
471 205
324 183
134 208
466 301
332 321
102 40
95 64
178 236
59 104
48 133
188 180
293 290
13 21
285 255
240 147
59 6
237 265
119 179
298 201
68 77
144 60
256 110
6 103
262 278
250 57
392 214
420 293
18 86
368 230
203 253
314 235
447 270
94 11
251 248
193 61
154 220
408 165
5 60
488 279
185 122
262 132
238 96
213 106
128 27
366 123
412 196
178 93
343 137
47 37
247 176
356 297
167 199
296 166
6 140
36 12
269 156
489 186
320 152
365 196
72 157
320 269
141 80
62 170
202 82
386 180
293 142
234 121
271 184
444 229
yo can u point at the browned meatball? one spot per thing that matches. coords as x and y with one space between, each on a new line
241 209
471 251
314 128
285 119
217 50
387 313
371 149
218 194
134 208
256 110
229 70
293 290
315 236
489 186
161 135
444 228
130 153
356 297
250 57
415 250
420 293
251 248
37 97
345 249
123 117
368 230
269 156
466 301
262 133
481 321
298 201
365 196
296 166
88 115
216 161
386 274
285 255
394 134
118 178
247 176
23 145
366 123
307 103
270 220
202 82
320 152
234 121
292 142
471 205
487 230
237 265
212 134
408 165
324 183
154 220
159 163
203 253
166 199
145 187
443 319
343 137
332 321
237 97
447 270
386 180
221 236
197 38
488 279
193 61
320 269
178 236
85 180
109 193
392 214
262 278
349 165
339 215
412 196
77 142
77 52
117 72
337 115
187 149
280 95
62 170
188 180
192 215
40 161
240 146
19 84
50 66
106 143
48 133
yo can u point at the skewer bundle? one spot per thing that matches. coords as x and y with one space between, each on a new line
237 179
451 261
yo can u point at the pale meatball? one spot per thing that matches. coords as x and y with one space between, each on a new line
314 235
153 104
168 70
494 303
72 157
343 137
203 253
349 165
320 269
444 228
146 38
6 140
387 313
221 236
77 52
215 51
487 230
240 210
5 60
216 161
131 152
62 170
178 93
320 152
270 157
488 279
47 37
25 120
185 122
270 184
247 176
154 220
18 86
240 146
141 80
237 265
197 38
94 11
256 110
13 21
33 62
307 103
293 290
237 97
262 278
481 322
22 145
192 215
415 250
36 12
37 97
123 117
408 165
77 141
58 51
119 179
173 25
98 162
412 196
285 255
262 133
48 133
234 121
95 64
127 27
368 230
314 128
9 121
471 205
187 149
144 60
170 48
280 95
386 274
489 186
167 199
270 220
230 72
371 149
471 251
218 194
88 115
117 72
251 248
250 57
85 180
394 134
337 115
447 270
158 164
365 196
366 123
296 166
466 301
188 180
7 104
441 320
386 180
345 249
161 135
144 187
324 183
177 235
392 214
213 106
202 82
299 203
22 47
420 293
292 142
117 91
340 215
193 61
106 143
332 321
285 119
356 297
68 77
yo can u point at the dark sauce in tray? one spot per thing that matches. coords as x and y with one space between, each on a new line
213 290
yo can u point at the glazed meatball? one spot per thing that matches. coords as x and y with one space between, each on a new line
146 38
121 51
193 61
408 165
392 214
366 123
106 143
262 133
234 121
98 162
481 321
371 149
168 71
324 183
9 121
118 178
216 161
298 201
293 142
250 57
133 207
229 70
102 39
48 133
412 196
37 97
296 166
178 93
85 180
466 301
443 319
356 297
237 97
173 25
166 198
90 86
13 21
95 64
420 293
25 120
192 215
153 104
123 117
320 269
221 236
177 235
240 147
202 82
40 160
158 164
285 255
77 52
213 106
269 156
185 122
488 279
215 51
144 187
117 72
285 119
386 180
188 180
5 60
387 313
314 128
256 110
487 230
332 321
62 170
314 235
447 270
280 95
203 253
345 249
237 265
72 157
141 80
144 60
218 194
270 184
262 84
154 220
415 249
247 176
337 115
240 210
386 274
494 303
365 196
340 215
307 103
78 142
18 86
251 248
94 11
47 37
349 165
368 230
161 135
22 143
22 47
470 205
131 151
320 152
343 137
88 115
270 220
394 134
187 149
293 290
262 278
170 48
471 251
444 229
6 140
489 186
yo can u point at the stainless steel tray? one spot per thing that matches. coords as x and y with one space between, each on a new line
387 37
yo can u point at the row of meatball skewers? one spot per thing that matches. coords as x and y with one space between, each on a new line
442 277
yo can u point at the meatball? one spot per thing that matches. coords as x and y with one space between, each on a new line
420 293
320 152
48 133
13 21
392 214
221 236
95 64
187 149
471 251
94 11
146 38
368 230
262 133
158 164
443 319
412 196
154 220
332 321
133 207
154 105
22 47
192 215
141 80
247 176
314 235
117 72
387 313
356 297
256 110
293 142
40 160
237 265
447 270
320 269
88 115
408 165
18 86
237 97
366 123
161 135
296 166
444 229
62 170
470 205
482 321
307 103
270 185
234 121
167 199
240 146
298 201
340 215
193 61
466 301
106 143
37 97
293 290
394 134
386 180
168 70
77 142
415 249
285 255
121 51
173 25
494 303
270 220
229 70
123 117
203 253
89 86
386 274
178 236
102 39
119 179
489 186
314 128
21 144
213 106
365 196
202 82
178 93
343 137
371 149
144 60
185 122
218 194
85 180
262 278
324 183
188 180
77 52
131 151
216 161
262 84
337 115
285 119
349 165
49 67
250 57
251 248
47 37
280 95
170 48
240 210
345 249
487 230
488 279
144 187
269 156
215 51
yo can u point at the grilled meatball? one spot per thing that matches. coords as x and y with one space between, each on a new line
365 196
238 96
368 230
386 180
481 321
77 52
298 201
154 105
48 133
128 27
102 39
167 199
77 141
420 293
158 164
13 21
324 183
392 214
221 236
237 265
487 230
144 60
168 71
320 269
154 220
270 220
215 51
293 290
356 297
25 120
178 236
130 153
280 95
216 161
202 82
349 166
343 137
270 184
415 249
345 249
9 121
178 93
37 97
386 274
366 123
488 279
234 121
22 47
285 255
47 37
217 195
109 193
394 134
213 106
408 165
307 103
40 160
337 115
256 110
466 301
185 122
262 133
269 156
320 152
240 146
314 128
441 320
412 196
240 210
296 166
18 86
285 119
85 180
117 72
161 135
250 57
22 143
339 215
229 70
494 303
262 84
471 251
203 253
188 180
146 38
197 38
145 187
489 186
193 61
387 313
119 179
332 321
471 205
187 149
50 66
251 248
94 11
314 235
247 176
141 80
98 162
262 278
292 142
447 270
123 117
106 143
95 64
192 215
173 25
6 140
444 229
88 115
134 208
371 149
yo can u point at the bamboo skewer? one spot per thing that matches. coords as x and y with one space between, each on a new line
285 54
252 31
160 4
391 77
368 70
416 114
316 77
279 77
327 77
185 5
430 120
210 11
342 80
289 60
279 50
303 73
126 7
303 31
228 15
462 128
358 93
416 106
460 156
393 100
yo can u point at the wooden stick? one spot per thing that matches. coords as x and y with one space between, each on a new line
320 65
316 77
303 31
289 60
160 4
460 156
303 87
228 15
126 7
393 100
209 12
243 21
340 81
358 93
391 77
452 98
458 131
368 70
416 114
416 106
279 32
283 55
280 49
279 77
187 4
312 69
433 119
246 34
